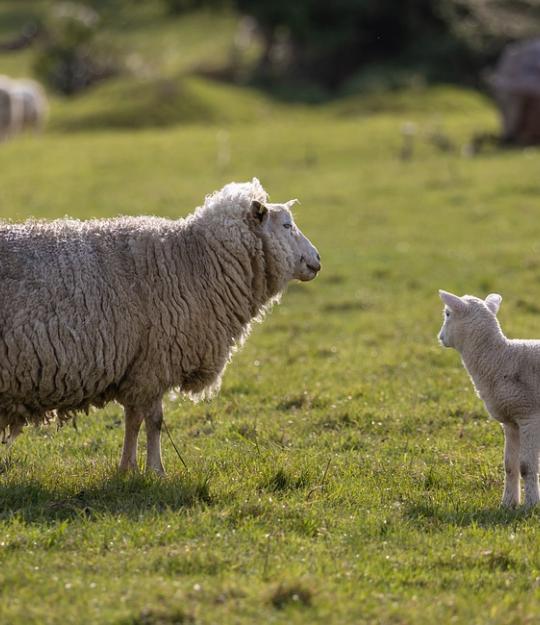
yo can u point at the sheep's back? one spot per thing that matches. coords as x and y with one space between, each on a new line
69 323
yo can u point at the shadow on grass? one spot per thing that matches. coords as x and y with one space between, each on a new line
128 496
434 516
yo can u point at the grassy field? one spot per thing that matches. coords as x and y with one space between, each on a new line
346 473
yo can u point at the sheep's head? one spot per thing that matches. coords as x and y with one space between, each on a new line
464 316
299 258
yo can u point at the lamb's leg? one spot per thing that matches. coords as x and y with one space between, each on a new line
529 432
133 418
511 465
153 419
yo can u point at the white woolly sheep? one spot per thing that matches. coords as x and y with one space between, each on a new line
506 375
32 105
6 108
126 309
23 106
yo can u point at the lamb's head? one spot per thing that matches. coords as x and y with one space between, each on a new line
298 257
467 318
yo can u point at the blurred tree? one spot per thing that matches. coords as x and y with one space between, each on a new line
68 60
487 25
327 42
24 39
484 28
181 6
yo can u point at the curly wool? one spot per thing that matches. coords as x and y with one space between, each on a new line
126 309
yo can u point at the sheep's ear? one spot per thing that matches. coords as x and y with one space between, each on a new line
258 210
291 203
452 301
493 302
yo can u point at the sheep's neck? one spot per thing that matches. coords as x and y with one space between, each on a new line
484 354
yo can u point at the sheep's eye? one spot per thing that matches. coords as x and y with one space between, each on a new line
447 313
287 225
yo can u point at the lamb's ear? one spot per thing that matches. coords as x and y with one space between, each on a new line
452 301
493 302
258 210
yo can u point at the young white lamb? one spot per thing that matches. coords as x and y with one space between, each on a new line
506 375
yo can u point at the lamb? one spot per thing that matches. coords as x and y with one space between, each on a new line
129 308
506 375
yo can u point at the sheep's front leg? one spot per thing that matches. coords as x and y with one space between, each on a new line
153 420
133 419
511 465
529 432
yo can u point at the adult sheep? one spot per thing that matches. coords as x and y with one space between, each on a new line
23 106
6 108
126 309
32 105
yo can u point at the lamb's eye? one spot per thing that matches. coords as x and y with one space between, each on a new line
447 313
288 226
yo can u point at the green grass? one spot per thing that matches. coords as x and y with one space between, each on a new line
346 473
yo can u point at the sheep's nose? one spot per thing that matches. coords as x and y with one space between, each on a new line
318 257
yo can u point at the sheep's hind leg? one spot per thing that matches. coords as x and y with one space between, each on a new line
153 420
529 433
133 419
511 493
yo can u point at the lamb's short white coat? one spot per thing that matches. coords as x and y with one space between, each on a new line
506 376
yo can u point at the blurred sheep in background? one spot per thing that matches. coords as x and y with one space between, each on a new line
23 106
516 86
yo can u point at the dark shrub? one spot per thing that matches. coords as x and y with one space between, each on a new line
69 60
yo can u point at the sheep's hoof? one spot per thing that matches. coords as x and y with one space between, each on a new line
126 469
509 504
157 471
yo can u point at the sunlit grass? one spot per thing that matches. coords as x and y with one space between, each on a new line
346 473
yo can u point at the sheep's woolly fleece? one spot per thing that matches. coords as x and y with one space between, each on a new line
129 308
23 106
